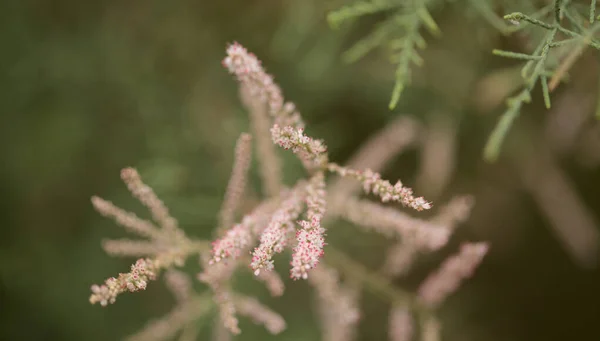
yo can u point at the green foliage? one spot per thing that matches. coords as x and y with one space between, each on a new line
400 32
565 31
566 37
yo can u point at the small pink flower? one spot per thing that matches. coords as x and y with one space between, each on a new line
249 71
311 238
235 240
275 237
313 153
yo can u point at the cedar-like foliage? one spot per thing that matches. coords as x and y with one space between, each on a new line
568 29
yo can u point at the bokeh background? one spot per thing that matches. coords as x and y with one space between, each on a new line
88 88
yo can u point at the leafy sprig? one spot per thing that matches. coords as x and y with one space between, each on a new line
567 29
572 34
400 33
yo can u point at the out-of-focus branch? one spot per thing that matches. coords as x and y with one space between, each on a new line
237 182
270 164
567 118
567 214
438 150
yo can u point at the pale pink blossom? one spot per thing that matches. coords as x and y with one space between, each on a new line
216 274
238 239
256 83
311 237
372 183
313 153
249 71
375 153
233 242
276 236
142 271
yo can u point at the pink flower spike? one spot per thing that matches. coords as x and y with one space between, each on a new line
372 183
311 240
232 243
249 71
275 237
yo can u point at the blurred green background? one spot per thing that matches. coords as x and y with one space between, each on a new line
88 88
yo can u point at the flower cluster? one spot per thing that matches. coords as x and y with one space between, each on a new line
249 72
235 240
256 83
289 219
142 271
313 153
167 245
372 183
276 236
310 151
311 236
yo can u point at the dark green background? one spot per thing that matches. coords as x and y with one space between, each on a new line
87 88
